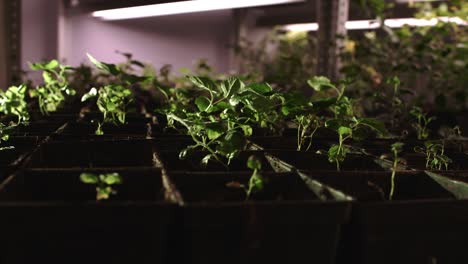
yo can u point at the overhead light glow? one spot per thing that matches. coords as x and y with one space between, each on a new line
302 27
183 7
373 24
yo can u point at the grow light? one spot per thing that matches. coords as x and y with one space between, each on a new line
373 24
183 7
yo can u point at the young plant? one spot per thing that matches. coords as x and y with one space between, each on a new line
4 136
52 94
345 122
12 102
104 183
114 98
396 149
112 102
256 182
307 126
422 121
435 155
225 113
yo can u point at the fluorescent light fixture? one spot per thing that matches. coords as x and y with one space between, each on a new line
302 27
183 7
362 24
373 24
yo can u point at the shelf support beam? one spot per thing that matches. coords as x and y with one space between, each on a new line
331 16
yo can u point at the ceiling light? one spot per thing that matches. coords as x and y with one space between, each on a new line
183 7
373 24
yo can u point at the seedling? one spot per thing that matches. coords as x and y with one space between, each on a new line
104 183
356 128
307 126
220 120
396 149
12 102
55 89
112 101
435 155
114 98
256 181
4 136
422 121
345 122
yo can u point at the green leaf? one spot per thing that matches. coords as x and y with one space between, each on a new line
89 178
375 124
232 86
106 67
51 65
397 147
214 130
203 83
112 178
133 79
103 193
333 124
248 131
202 103
320 83
342 130
261 88
254 163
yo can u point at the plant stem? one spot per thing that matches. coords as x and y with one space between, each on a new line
392 184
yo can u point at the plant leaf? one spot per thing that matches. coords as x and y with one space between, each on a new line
320 83
254 163
202 103
89 178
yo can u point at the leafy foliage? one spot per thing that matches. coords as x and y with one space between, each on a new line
13 102
343 119
53 93
256 182
104 183
435 155
422 121
114 98
5 135
224 114
112 101
429 61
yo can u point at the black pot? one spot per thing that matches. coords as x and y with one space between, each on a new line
93 154
51 217
284 223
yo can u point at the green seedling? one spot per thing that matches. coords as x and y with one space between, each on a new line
396 149
104 183
112 102
350 129
307 126
4 136
256 182
422 121
345 122
53 93
12 102
435 155
223 116
114 98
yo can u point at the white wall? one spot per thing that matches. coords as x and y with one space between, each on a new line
178 40
38 30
